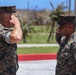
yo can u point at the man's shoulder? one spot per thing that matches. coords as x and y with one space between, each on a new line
72 39
63 39
1 26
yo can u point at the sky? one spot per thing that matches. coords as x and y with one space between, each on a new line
35 4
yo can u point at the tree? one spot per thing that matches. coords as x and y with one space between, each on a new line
54 15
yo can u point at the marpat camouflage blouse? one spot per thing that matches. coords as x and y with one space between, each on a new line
66 56
8 54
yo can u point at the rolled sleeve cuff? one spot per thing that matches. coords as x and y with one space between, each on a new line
7 38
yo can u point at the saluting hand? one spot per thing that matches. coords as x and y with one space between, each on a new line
14 20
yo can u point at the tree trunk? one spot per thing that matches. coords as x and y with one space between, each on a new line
51 31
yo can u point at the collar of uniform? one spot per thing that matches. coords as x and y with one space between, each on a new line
72 38
74 34
1 25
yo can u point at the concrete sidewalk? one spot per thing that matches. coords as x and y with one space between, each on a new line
36 45
37 67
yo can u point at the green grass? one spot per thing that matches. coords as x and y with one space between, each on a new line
41 28
44 28
37 50
39 37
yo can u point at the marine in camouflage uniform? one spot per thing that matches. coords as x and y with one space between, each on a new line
8 54
66 56
8 40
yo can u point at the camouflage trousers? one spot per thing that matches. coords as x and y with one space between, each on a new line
7 73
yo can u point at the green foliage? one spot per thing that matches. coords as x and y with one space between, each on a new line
54 15
57 11
26 29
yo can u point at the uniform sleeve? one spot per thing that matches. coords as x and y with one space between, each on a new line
5 32
7 39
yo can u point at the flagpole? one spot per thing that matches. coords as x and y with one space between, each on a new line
75 7
75 12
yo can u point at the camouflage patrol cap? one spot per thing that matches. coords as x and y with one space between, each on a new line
7 9
65 19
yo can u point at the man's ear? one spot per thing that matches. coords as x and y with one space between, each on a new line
6 17
70 26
